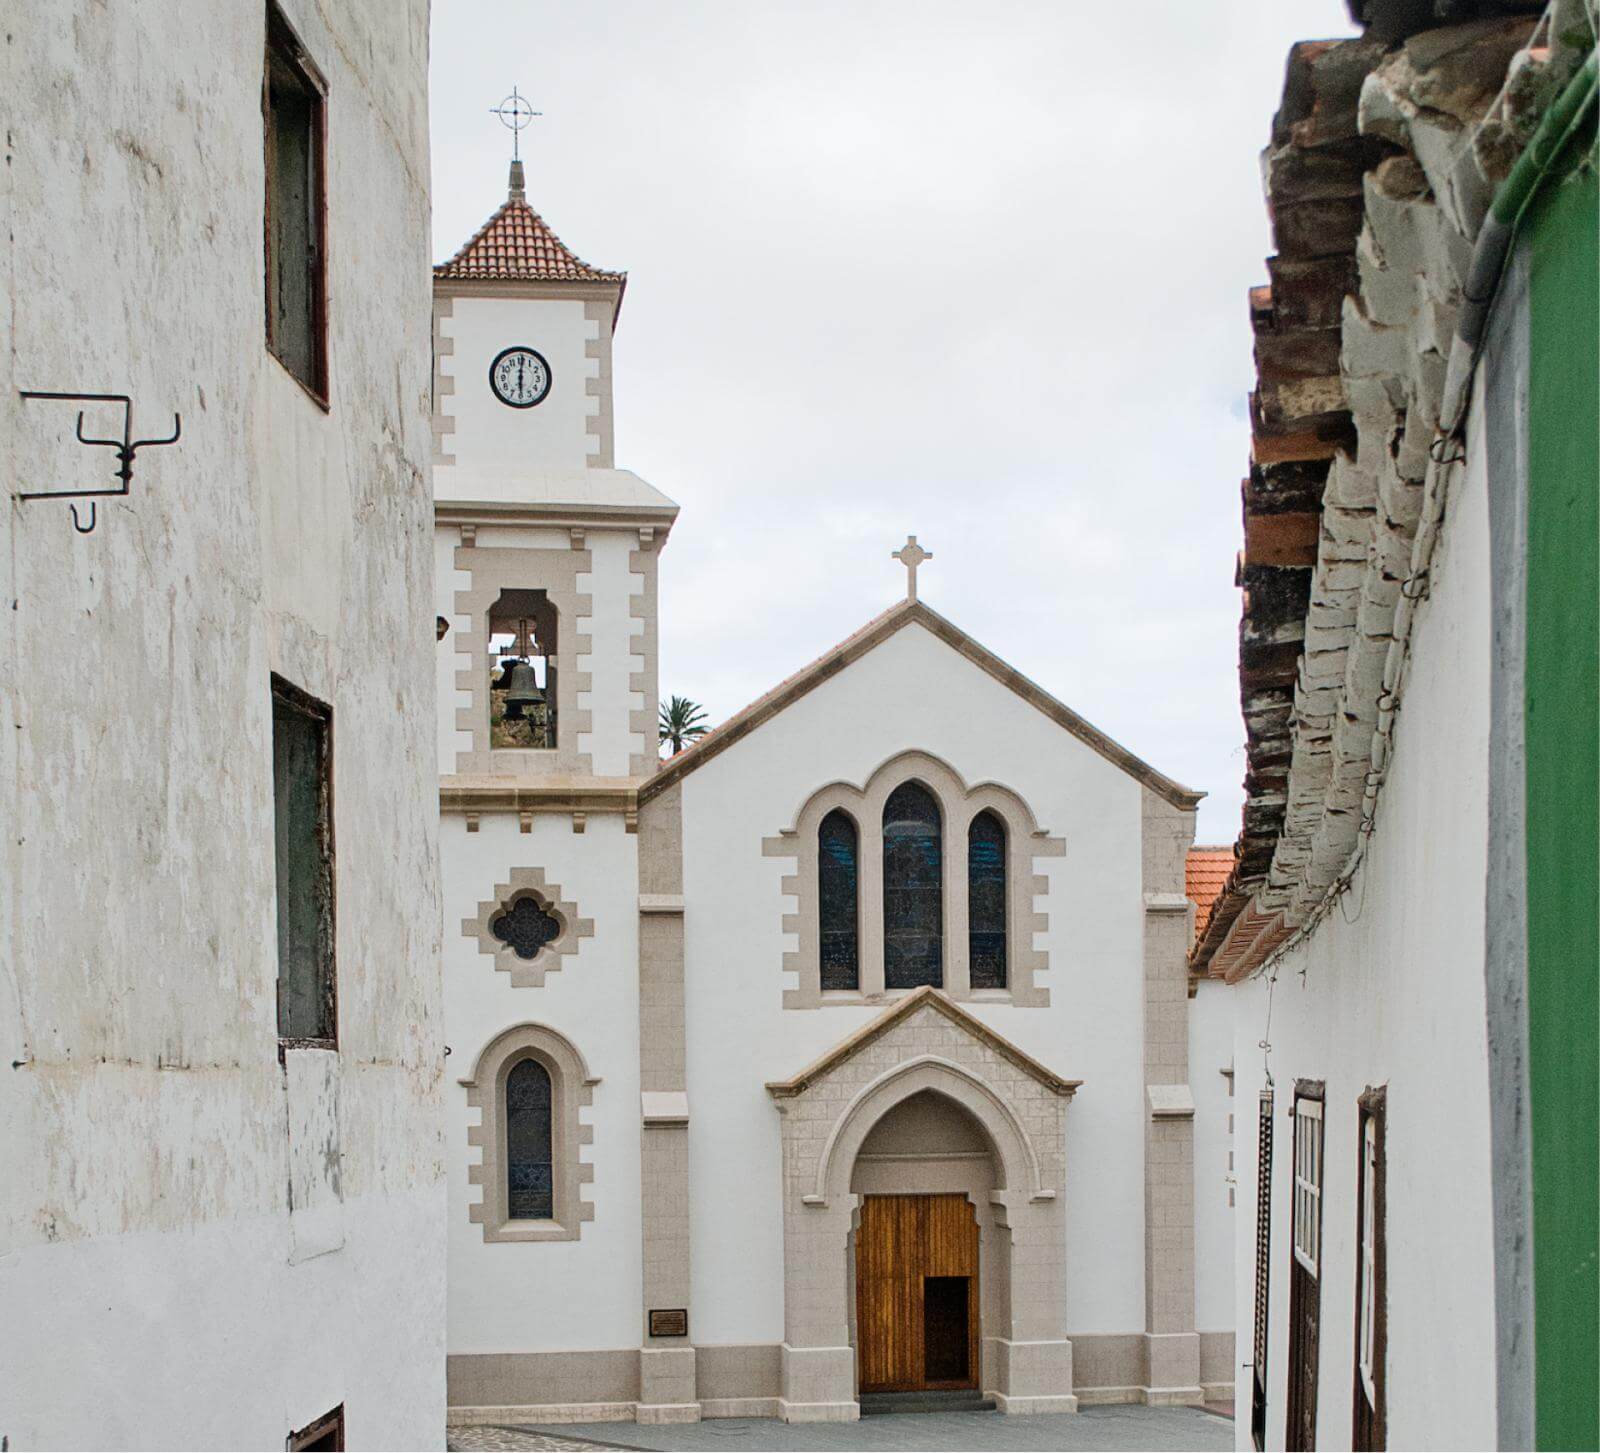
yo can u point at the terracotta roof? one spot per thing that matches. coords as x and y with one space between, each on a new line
516 244
877 630
1204 874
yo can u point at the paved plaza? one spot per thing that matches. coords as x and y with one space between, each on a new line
1111 1428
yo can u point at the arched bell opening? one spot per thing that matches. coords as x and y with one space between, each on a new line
523 627
926 1258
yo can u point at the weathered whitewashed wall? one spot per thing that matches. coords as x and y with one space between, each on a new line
1388 990
147 1274
734 943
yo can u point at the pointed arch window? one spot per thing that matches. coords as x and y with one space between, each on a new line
913 891
530 1185
986 901
838 879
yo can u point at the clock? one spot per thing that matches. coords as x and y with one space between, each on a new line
519 377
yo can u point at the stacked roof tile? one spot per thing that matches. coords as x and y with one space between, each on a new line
1205 872
516 244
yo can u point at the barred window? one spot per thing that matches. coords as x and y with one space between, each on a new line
986 901
913 889
837 901
529 1181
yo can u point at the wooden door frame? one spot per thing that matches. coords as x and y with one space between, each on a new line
1263 1272
1300 1401
974 1377
1371 1415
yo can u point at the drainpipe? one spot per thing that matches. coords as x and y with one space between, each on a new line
1556 128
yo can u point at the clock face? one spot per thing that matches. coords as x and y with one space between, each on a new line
520 377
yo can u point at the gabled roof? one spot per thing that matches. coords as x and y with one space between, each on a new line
875 1029
874 633
517 245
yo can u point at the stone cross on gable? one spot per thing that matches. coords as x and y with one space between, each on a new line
911 555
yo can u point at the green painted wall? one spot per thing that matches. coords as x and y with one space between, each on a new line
1563 802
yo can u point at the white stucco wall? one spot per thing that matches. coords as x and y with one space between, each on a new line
493 443
1211 1051
739 1036
1389 990
157 1291
549 1295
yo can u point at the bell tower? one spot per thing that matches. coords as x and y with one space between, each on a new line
545 551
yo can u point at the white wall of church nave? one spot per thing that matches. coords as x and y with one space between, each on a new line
539 1296
1389 990
910 692
492 445
1211 1051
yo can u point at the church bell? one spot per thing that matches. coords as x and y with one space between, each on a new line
522 691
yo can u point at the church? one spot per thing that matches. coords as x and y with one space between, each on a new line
853 1050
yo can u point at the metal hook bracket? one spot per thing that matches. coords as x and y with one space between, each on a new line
126 447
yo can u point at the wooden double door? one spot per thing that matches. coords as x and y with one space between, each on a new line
917 1293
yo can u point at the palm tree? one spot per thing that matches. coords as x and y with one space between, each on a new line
682 721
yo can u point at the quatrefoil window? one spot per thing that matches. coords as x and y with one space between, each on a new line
526 927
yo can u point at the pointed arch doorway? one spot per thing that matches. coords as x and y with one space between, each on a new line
923 1172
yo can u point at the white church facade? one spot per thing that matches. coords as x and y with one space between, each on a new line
852 1050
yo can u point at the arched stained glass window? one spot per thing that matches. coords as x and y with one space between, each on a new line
986 901
913 896
837 879
529 1184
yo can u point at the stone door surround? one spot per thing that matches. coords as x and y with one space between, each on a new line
925 1042
958 805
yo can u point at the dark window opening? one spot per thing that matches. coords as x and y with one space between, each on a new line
530 1186
945 1320
527 926
986 901
326 1433
837 879
523 632
913 889
302 785
296 283
1370 1423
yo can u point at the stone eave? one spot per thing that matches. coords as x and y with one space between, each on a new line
659 518
873 634
875 1029
466 793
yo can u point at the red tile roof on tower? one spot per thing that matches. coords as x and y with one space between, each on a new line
1205 872
516 244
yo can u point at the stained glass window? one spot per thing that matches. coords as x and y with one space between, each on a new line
529 1186
527 926
836 881
986 902
913 896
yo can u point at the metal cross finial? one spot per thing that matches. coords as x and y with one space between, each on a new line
911 555
516 113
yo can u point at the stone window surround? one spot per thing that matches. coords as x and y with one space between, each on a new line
492 570
528 883
958 805
572 1090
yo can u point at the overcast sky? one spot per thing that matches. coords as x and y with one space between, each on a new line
976 272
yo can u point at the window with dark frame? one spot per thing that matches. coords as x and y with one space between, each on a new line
986 901
838 878
302 786
295 111
327 1433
